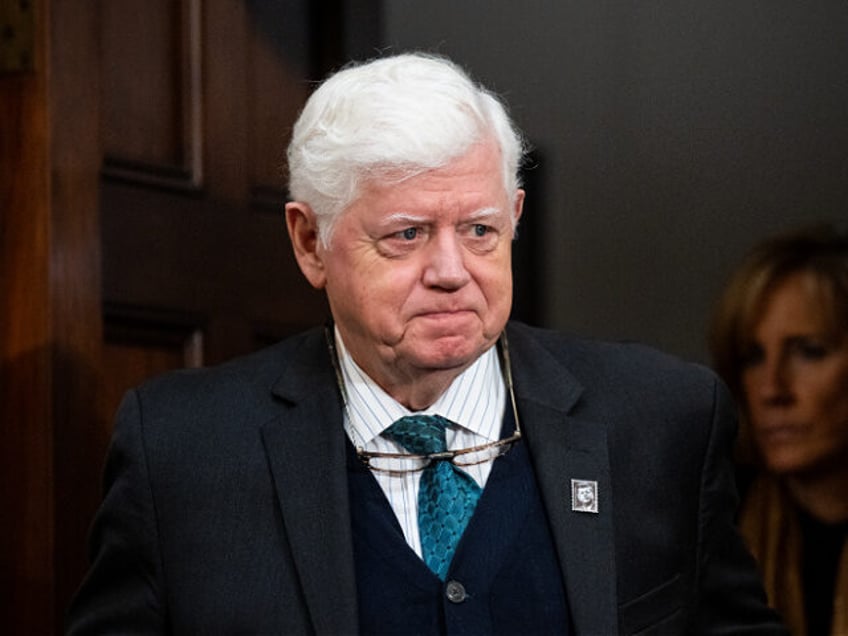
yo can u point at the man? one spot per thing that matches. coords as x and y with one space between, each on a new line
411 468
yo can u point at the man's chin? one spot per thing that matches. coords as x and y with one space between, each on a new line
448 351
447 341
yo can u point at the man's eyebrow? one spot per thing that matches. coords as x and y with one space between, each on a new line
484 213
408 218
404 218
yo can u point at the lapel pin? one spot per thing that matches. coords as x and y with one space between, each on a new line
584 495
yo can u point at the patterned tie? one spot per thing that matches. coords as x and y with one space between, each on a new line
446 496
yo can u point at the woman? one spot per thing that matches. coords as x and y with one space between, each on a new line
779 339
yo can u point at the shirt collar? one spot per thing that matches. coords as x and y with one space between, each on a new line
475 399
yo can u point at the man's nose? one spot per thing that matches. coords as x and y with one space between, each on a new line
445 262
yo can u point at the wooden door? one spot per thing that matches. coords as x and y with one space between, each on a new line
142 230
197 101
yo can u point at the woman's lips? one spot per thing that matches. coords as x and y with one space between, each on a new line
779 433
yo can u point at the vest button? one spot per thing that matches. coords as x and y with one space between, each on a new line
455 592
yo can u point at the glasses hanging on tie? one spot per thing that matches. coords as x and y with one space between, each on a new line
400 463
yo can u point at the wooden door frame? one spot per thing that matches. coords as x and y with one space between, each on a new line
51 308
51 321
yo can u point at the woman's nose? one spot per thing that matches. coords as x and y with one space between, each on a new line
774 382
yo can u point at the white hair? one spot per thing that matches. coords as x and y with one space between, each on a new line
392 118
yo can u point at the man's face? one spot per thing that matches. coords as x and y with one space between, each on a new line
418 273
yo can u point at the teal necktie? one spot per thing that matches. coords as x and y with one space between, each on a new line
447 495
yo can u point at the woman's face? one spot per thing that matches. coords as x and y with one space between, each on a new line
795 380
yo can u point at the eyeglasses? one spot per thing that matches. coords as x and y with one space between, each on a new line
401 463
462 457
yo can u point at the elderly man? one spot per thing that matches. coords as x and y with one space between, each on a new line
420 465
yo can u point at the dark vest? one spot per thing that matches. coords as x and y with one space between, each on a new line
504 578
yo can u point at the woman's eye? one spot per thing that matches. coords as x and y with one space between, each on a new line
811 350
751 357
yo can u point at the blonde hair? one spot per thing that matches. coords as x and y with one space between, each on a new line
818 251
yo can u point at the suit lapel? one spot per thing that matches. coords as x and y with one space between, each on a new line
307 454
566 447
306 451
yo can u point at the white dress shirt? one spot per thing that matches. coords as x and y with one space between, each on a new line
475 400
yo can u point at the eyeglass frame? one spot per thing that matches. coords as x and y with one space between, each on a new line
427 460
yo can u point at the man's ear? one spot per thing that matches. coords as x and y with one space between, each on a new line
519 206
303 231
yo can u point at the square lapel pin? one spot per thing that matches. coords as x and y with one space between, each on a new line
584 495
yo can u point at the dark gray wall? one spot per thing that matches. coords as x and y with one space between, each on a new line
672 136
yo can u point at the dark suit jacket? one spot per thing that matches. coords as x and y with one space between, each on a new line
226 504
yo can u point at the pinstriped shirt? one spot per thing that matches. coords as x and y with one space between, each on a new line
475 400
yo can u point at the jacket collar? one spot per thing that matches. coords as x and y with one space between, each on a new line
307 454
566 446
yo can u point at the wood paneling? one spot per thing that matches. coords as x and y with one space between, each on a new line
140 230
151 91
278 69
50 295
222 252
25 408
140 344
75 287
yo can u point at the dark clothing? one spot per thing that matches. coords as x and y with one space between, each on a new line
504 577
822 551
227 507
803 562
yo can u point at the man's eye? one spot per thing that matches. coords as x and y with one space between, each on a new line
480 229
410 233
